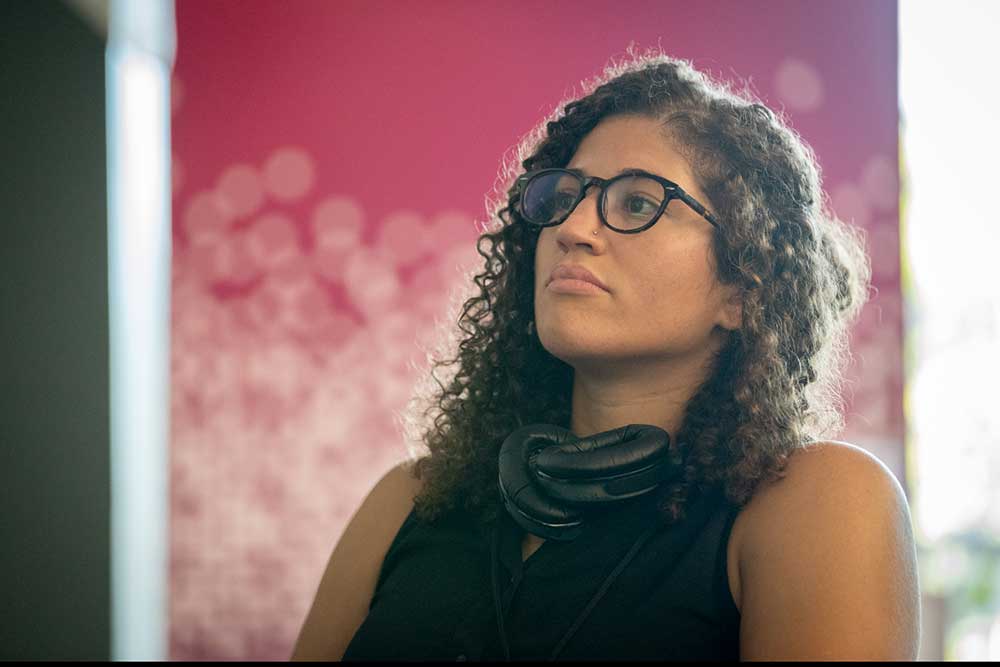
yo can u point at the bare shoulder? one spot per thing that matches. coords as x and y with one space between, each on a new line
387 504
823 472
348 582
384 509
830 471
401 479
829 546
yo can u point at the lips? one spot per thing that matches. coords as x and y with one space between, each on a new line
576 272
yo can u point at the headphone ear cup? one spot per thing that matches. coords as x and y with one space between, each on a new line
548 476
622 463
525 501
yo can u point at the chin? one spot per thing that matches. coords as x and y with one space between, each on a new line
573 348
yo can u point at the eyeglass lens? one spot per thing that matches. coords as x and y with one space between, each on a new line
630 202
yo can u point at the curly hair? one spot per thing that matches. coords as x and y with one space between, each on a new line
774 385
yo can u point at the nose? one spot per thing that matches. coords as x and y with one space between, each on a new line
583 221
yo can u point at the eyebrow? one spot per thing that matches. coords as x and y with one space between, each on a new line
581 172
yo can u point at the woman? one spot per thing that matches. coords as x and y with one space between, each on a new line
712 321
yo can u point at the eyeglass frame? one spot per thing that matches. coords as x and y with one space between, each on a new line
671 189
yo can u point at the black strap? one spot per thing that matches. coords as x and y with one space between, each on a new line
636 546
604 589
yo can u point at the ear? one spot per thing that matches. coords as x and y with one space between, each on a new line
731 311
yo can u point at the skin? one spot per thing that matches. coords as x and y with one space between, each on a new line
820 563
640 351
826 562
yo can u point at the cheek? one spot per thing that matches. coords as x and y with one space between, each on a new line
539 276
545 259
669 289
540 247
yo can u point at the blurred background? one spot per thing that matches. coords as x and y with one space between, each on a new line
232 231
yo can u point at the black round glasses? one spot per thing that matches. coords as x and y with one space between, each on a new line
628 203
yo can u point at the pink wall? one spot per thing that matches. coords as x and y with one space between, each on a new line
330 165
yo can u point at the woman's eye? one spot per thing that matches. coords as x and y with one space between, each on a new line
637 205
563 200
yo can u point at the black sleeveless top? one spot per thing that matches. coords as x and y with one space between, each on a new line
626 589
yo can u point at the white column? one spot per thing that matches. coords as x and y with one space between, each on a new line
139 58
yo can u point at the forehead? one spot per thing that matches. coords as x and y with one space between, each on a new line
621 142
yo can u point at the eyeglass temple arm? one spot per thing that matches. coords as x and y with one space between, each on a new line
693 203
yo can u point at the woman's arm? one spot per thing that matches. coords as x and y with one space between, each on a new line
828 567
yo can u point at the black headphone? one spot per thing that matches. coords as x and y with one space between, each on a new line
548 478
